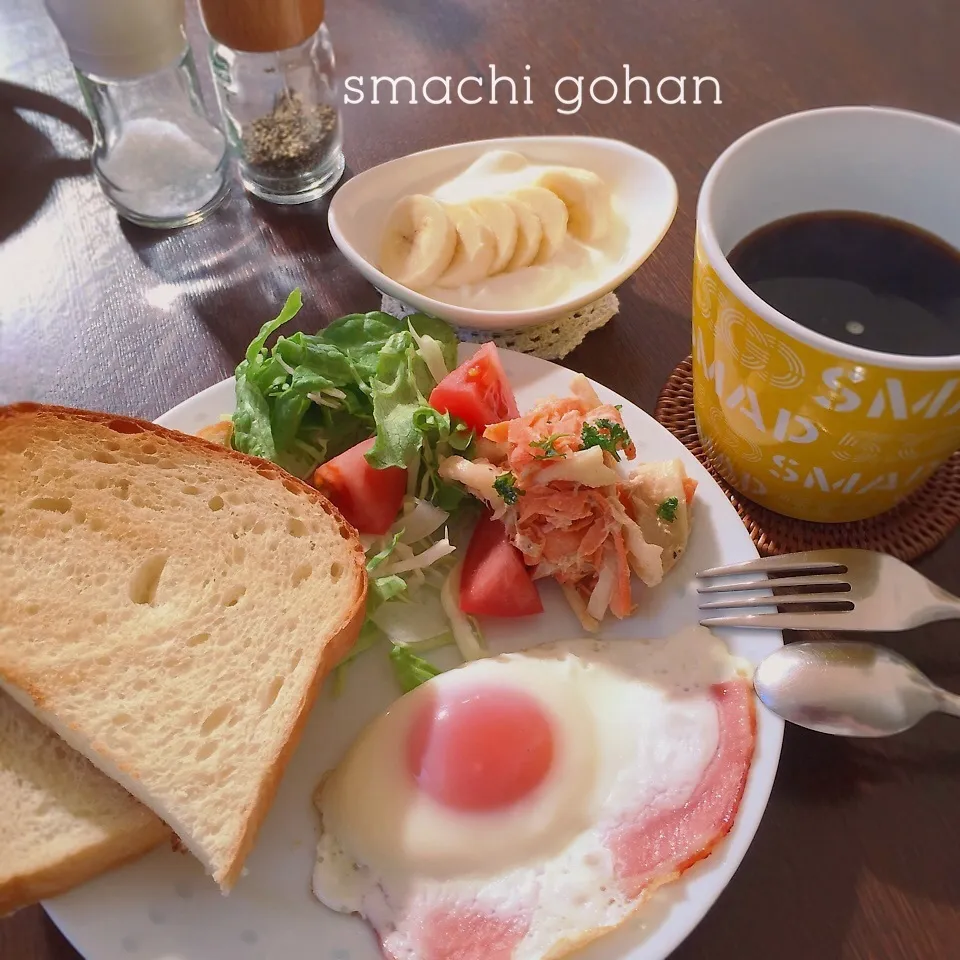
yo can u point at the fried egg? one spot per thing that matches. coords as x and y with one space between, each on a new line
522 805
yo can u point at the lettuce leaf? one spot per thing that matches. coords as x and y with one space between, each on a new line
407 426
311 396
409 669
360 337
397 394
257 375
382 555
252 432
384 589
290 309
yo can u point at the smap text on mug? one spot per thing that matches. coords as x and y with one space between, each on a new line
814 426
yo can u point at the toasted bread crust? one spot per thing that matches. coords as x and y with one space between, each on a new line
213 450
97 827
340 644
82 866
16 418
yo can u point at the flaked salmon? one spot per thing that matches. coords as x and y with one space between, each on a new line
552 475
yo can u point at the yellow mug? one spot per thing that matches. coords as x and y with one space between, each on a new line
802 424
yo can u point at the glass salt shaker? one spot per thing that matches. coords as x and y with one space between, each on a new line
158 156
274 68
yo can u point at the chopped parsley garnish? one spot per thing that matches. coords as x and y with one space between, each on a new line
668 509
606 434
506 486
548 446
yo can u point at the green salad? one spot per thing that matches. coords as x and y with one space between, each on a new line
309 398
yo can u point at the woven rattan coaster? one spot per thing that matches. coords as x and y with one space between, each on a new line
907 532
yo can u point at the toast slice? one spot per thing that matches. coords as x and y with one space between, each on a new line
170 608
62 822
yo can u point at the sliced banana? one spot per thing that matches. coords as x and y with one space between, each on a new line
529 234
501 218
418 242
586 197
552 213
475 251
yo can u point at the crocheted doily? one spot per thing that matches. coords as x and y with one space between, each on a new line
549 341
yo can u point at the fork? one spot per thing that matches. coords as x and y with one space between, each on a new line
825 590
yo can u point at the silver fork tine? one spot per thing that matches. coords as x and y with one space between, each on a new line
824 620
874 592
764 584
832 600
777 564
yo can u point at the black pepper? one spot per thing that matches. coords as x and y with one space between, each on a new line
291 139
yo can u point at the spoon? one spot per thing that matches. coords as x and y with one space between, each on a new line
848 689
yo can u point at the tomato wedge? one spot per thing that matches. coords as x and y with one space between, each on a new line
477 392
494 580
368 498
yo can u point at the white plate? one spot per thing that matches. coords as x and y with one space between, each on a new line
643 189
164 908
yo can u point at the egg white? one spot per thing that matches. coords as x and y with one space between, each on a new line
635 725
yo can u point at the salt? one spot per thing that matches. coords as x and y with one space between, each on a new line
160 170
159 157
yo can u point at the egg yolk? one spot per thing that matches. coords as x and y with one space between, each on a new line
480 750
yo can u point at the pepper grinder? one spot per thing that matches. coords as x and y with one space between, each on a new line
274 68
159 158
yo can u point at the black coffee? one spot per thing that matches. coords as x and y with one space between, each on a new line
862 279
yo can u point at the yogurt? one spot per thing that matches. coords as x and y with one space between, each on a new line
575 268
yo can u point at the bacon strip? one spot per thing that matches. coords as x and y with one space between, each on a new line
658 844
461 935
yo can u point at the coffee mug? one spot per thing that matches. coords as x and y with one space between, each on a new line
810 427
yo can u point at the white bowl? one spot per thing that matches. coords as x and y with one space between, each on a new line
644 192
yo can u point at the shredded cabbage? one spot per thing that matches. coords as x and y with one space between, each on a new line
417 562
413 623
648 556
433 643
603 591
283 364
413 476
431 353
323 400
405 553
467 639
419 519
585 467
390 544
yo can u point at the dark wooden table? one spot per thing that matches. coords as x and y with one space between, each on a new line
857 856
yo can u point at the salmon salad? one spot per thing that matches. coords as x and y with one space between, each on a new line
553 478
